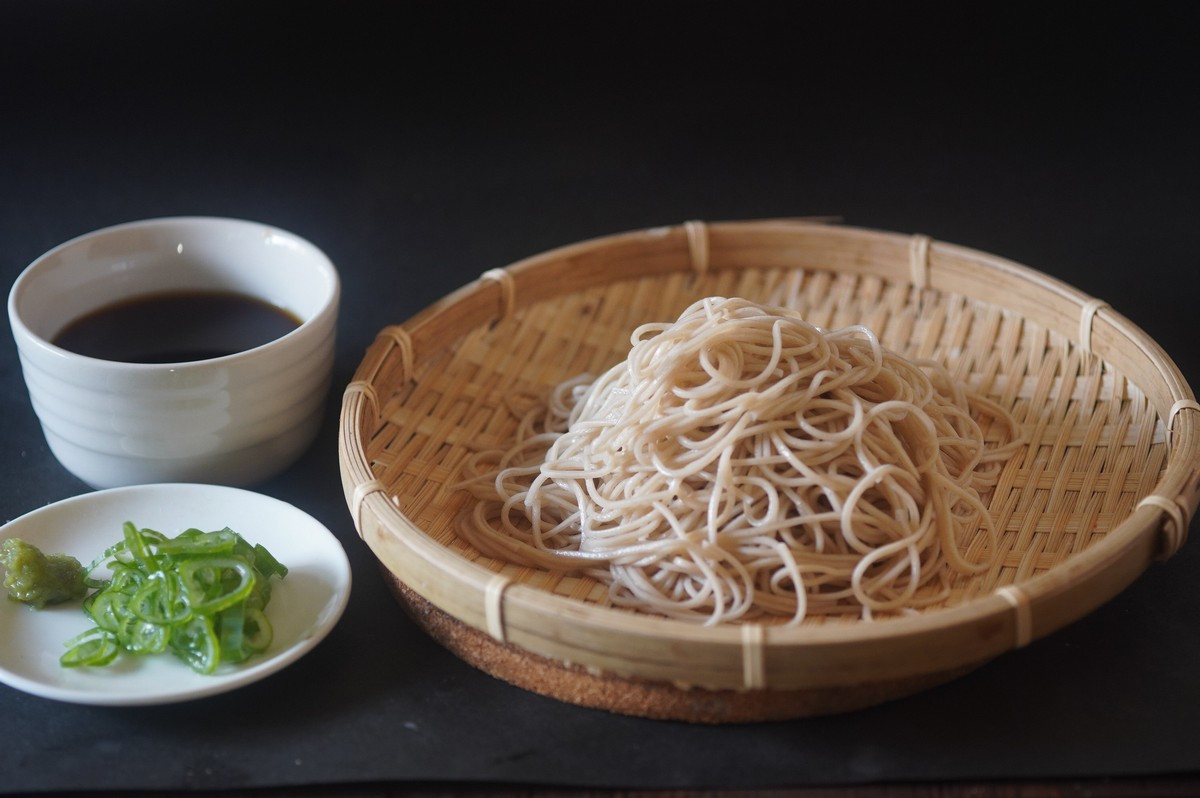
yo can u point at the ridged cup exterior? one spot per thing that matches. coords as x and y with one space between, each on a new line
232 420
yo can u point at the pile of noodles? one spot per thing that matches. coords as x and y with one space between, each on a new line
742 463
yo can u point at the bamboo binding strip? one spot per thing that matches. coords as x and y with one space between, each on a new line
1108 481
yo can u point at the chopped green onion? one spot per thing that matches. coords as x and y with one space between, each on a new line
142 637
136 544
161 599
108 609
93 647
216 583
265 562
193 541
257 632
200 595
195 642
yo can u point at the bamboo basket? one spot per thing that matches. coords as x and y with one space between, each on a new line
1106 483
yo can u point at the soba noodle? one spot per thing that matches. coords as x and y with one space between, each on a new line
742 463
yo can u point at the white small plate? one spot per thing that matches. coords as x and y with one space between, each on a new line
304 606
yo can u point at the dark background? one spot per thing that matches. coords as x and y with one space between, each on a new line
421 144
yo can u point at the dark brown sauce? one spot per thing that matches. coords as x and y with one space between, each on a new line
176 327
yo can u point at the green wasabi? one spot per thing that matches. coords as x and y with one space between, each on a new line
38 579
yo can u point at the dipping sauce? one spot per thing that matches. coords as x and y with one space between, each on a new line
176 327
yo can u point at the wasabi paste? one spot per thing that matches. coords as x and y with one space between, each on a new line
39 579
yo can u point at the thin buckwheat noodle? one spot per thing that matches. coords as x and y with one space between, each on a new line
744 464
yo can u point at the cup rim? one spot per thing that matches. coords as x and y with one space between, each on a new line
21 329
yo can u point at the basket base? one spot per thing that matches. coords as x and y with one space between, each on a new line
575 684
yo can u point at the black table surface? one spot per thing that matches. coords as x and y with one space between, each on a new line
421 144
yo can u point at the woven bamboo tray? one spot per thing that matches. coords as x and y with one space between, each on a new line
1106 484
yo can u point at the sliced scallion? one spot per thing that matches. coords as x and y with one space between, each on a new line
200 595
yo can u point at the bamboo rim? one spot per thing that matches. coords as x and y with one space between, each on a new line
751 656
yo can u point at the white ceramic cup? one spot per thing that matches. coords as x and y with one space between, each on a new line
234 420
